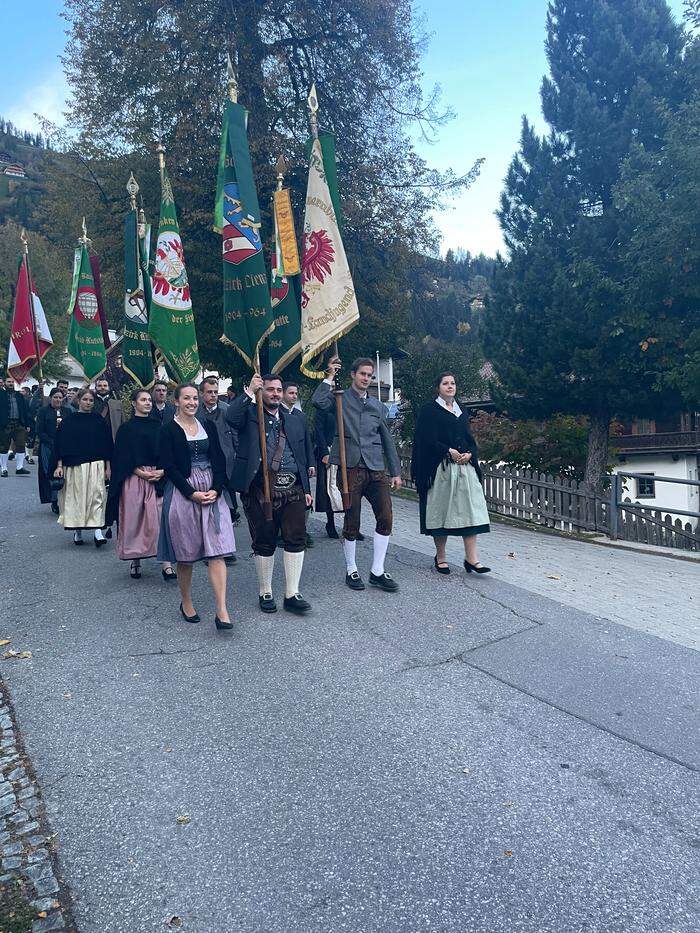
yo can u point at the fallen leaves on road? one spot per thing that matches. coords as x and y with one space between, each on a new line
466 771
508 853
173 922
183 819
67 695
18 655
553 576
4 641
511 553
168 748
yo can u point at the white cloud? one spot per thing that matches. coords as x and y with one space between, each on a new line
47 98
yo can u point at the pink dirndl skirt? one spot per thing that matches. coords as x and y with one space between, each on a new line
139 520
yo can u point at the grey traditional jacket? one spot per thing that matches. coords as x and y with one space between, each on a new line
367 434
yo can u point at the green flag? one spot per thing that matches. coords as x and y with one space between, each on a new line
136 344
285 289
85 342
248 317
171 321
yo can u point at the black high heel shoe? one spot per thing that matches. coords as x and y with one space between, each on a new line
439 568
469 567
135 570
194 618
169 573
220 624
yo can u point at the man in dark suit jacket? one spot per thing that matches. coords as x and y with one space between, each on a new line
369 449
211 408
288 444
14 421
163 410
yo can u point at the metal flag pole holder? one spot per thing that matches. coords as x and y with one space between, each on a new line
337 391
25 247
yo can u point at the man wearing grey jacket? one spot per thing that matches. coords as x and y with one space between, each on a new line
369 450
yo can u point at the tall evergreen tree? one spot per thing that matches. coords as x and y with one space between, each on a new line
562 334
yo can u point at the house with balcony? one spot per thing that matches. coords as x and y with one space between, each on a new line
663 447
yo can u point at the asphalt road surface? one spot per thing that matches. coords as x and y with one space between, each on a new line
462 756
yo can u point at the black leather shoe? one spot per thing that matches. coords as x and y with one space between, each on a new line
194 618
384 581
267 603
108 533
477 568
54 508
3 473
20 471
296 604
221 625
360 536
168 573
354 581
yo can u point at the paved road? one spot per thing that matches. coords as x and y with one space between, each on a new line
465 756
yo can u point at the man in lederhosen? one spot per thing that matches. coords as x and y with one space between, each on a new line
287 447
369 450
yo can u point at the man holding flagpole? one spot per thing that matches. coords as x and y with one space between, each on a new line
370 448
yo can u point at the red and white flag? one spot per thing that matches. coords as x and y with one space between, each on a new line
30 338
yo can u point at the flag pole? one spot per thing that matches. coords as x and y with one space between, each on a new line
25 245
267 493
338 392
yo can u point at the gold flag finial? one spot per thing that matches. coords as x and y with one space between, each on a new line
312 101
25 241
160 149
231 80
132 187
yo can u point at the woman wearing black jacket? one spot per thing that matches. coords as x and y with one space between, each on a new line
48 419
446 471
195 524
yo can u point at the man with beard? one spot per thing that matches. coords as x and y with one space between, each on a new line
14 421
287 443
108 406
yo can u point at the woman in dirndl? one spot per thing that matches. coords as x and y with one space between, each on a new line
136 487
446 471
196 525
82 452
48 420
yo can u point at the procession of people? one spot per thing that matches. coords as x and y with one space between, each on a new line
168 471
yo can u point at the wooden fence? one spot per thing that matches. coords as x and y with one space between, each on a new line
567 505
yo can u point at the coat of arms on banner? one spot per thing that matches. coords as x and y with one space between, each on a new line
135 308
170 276
279 289
240 239
86 307
317 262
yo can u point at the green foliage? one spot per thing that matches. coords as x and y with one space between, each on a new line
169 74
561 332
418 373
557 445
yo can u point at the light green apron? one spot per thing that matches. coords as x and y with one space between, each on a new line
456 499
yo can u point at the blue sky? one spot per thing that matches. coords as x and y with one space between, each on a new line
488 58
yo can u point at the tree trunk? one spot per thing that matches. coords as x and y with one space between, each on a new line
597 456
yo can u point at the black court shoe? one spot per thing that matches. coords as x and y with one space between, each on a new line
194 618
135 570
438 567
469 567
168 573
221 625
354 581
296 604
384 581
267 602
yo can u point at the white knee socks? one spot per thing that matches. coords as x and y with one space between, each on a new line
381 543
264 567
3 461
349 551
19 461
292 572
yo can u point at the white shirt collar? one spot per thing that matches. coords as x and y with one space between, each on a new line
455 410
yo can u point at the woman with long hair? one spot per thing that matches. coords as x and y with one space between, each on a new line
446 471
196 524
83 451
48 420
136 487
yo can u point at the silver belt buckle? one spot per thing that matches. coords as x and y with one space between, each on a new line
285 480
